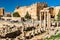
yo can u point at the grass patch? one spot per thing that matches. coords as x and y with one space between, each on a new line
53 37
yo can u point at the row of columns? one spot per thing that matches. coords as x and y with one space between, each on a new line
46 21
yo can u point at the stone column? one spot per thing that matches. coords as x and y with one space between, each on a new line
40 20
48 20
57 23
32 21
44 20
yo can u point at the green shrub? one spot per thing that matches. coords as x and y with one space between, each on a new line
27 16
16 14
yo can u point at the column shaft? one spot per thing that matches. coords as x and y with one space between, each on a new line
44 21
40 20
48 20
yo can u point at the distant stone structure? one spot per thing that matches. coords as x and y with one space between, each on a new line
1 11
7 14
33 10
56 10
51 10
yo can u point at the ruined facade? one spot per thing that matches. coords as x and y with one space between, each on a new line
33 10
1 11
